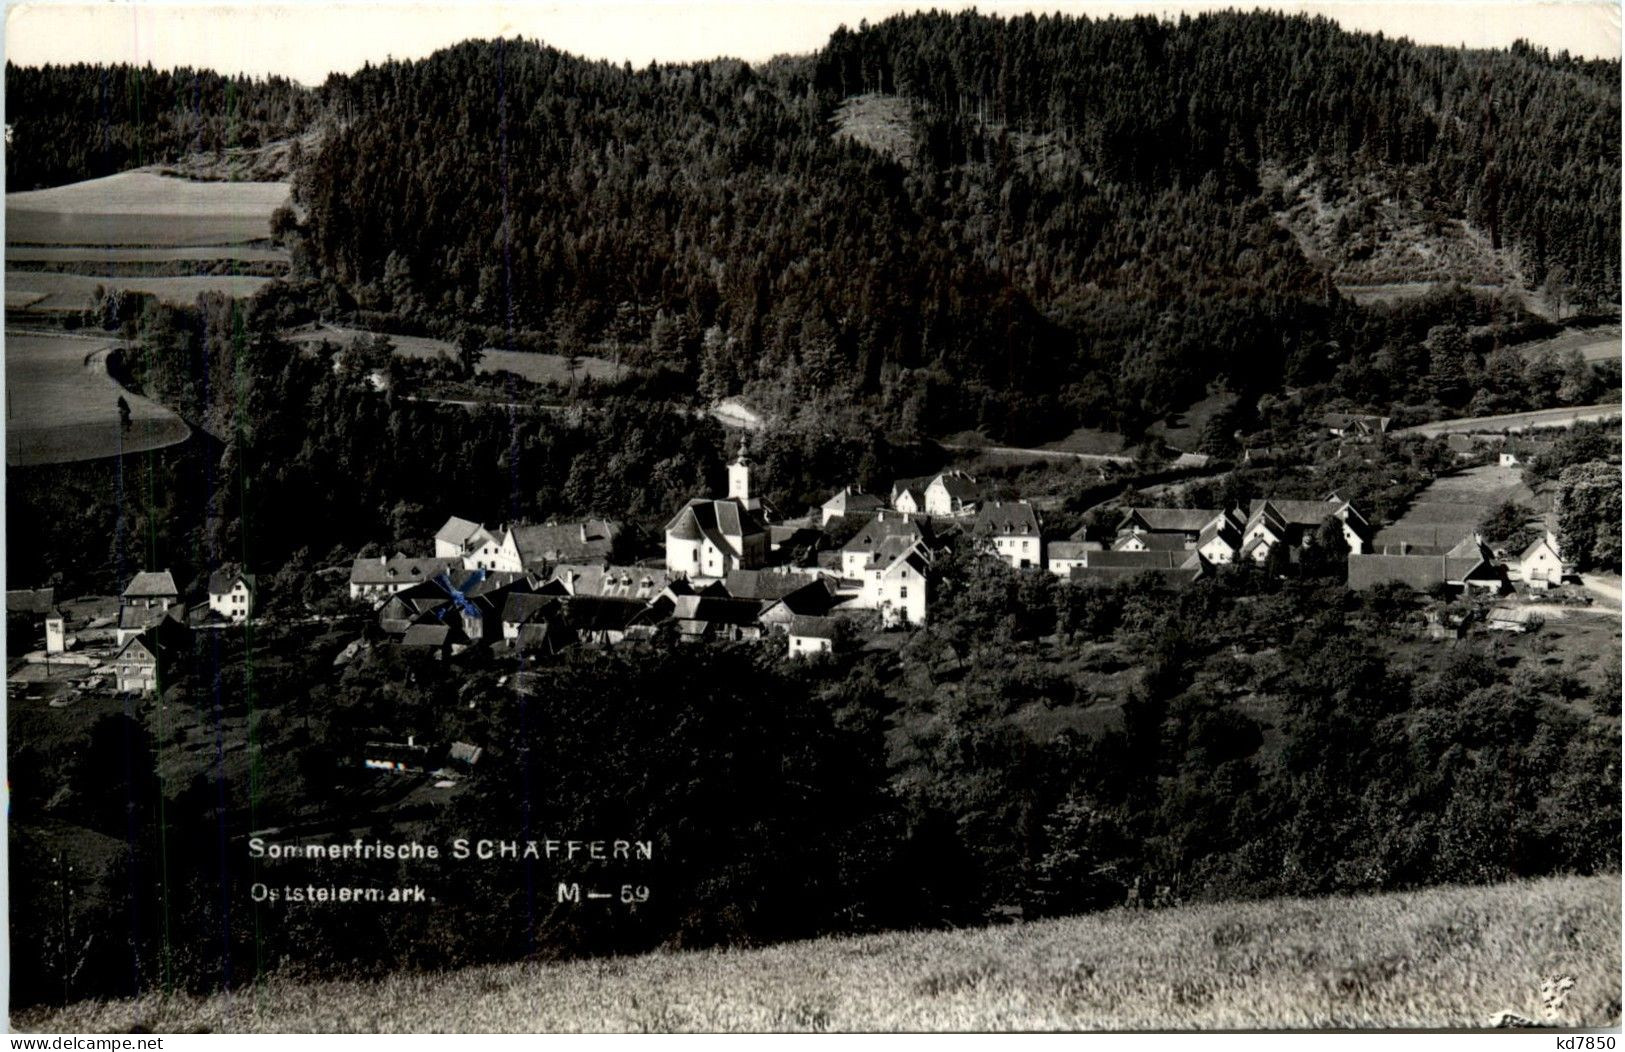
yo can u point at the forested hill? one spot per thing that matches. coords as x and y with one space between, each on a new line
1071 217
67 123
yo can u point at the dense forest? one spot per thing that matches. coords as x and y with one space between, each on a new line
1076 233
67 123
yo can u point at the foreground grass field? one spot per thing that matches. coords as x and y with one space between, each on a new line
1444 958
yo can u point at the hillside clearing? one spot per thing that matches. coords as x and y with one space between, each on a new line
1441 958
51 291
536 367
1509 422
61 405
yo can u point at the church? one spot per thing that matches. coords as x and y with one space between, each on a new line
710 537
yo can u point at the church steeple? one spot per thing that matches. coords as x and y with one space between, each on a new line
739 476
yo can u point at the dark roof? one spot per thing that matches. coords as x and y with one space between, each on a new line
1151 560
958 485
1163 577
763 584
427 634
1153 541
815 597
151 584
1005 518
1072 549
596 612
624 582
1220 529
1170 520
852 499
222 582
1295 512
888 524
813 627
1420 572
30 600
138 617
1422 538
398 569
584 541
1364 421
165 639
523 607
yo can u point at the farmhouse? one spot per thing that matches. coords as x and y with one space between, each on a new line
150 597
850 501
1464 567
1539 565
811 635
1184 524
462 539
620 582
382 575
1421 538
1010 530
947 494
231 595
145 662
1163 569
1220 541
1062 556
1271 521
1520 451
858 553
1355 425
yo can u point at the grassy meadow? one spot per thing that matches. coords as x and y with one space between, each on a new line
61 405
1450 958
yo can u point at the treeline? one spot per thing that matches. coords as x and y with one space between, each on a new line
73 122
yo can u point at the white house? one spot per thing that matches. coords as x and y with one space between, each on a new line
862 550
231 595
900 592
1062 556
383 575
811 635
1010 529
850 501
459 538
1220 541
951 493
1540 565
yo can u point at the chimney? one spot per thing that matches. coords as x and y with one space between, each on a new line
583 533
411 739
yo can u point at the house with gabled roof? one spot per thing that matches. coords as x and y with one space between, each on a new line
1010 529
813 599
1539 565
952 493
1467 566
386 575
231 595
1061 556
1356 425
1220 541
619 582
864 548
1185 523
811 635
146 661
900 592
850 501
461 538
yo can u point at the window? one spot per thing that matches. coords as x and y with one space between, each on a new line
1025 545
902 593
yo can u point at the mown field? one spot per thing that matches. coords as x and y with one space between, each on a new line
1449 958
61 405
531 366
139 231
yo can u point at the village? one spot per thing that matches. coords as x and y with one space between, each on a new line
735 569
